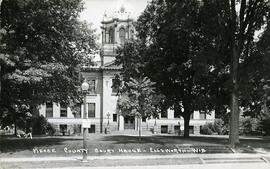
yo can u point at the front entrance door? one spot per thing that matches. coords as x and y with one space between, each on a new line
129 122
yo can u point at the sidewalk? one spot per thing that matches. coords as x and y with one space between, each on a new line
122 157
201 161
205 166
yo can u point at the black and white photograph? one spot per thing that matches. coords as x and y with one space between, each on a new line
139 84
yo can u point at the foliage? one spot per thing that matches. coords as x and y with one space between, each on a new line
206 129
137 98
43 44
231 26
42 126
265 123
248 126
217 127
167 51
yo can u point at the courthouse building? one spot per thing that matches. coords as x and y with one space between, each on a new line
102 97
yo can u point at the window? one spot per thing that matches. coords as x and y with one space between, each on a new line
103 37
202 115
49 109
92 129
92 86
63 110
192 115
164 114
191 129
115 85
143 119
114 117
63 128
111 35
126 120
107 36
177 129
122 35
164 129
91 109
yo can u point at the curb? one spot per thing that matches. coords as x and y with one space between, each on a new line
75 158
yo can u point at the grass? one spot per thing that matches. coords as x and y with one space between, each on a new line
99 144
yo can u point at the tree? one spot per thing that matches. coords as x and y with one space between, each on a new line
43 45
137 99
167 51
231 26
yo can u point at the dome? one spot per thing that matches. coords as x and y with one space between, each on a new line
121 13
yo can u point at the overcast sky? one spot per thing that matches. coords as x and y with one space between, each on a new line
94 9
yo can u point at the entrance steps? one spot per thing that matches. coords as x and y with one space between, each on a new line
131 132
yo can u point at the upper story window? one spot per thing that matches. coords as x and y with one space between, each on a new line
122 35
144 119
106 36
115 86
92 86
91 109
63 110
164 114
49 109
111 35
202 115
103 36
192 115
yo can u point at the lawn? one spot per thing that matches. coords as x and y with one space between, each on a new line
99 144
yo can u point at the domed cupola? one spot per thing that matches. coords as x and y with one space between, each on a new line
117 28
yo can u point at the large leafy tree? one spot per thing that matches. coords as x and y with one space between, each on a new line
167 51
196 51
231 26
43 44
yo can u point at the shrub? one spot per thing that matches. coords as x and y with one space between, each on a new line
218 126
206 129
248 126
214 128
265 123
42 126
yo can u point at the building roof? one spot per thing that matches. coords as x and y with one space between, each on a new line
121 14
111 66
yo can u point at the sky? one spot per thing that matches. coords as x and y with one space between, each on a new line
94 9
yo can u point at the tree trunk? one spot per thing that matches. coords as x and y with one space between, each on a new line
15 128
234 117
140 134
186 125
0 80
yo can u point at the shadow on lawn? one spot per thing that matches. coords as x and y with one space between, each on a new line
125 139
194 140
164 139
20 144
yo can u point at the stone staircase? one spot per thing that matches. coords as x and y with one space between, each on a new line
130 132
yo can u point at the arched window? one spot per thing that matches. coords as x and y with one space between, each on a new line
106 36
122 35
111 35
103 36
